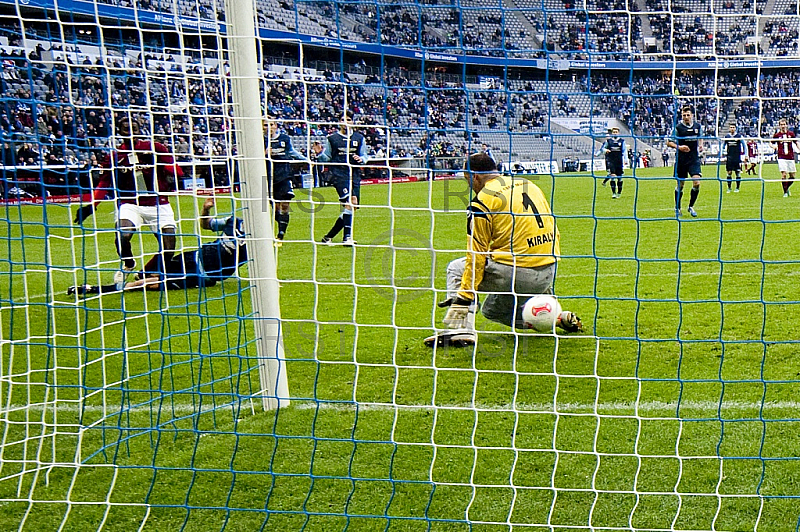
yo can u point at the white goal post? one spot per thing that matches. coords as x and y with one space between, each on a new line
248 119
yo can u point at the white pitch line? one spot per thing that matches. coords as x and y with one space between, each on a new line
559 408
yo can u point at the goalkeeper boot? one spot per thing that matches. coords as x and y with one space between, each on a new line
452 338
349 242
693 212
569 322
327 240
121 275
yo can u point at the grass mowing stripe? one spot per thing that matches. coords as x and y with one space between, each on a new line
299 404
672 380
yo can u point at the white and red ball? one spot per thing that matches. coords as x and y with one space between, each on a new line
541 312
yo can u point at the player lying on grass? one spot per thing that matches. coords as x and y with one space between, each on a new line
512 250
215 261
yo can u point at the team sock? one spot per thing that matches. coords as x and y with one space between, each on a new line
282 219
678 197
738 179
347 219
613 186
730 181
619 186
337 226
124 251
693 196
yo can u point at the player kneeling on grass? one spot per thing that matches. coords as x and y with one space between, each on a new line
215 261
512 250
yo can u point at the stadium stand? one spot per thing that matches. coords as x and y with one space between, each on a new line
601 28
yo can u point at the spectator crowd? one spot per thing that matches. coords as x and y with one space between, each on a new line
59 112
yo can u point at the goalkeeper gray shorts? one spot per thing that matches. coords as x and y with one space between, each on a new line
506 287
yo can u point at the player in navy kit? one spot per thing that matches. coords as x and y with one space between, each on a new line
213 262
280 153
614 150
345 149
686 141
734 150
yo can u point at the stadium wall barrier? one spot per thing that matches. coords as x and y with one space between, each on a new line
530 167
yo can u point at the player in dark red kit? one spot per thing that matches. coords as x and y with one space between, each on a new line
786 147
142 174
752 155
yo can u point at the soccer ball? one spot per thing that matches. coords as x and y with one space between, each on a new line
540 313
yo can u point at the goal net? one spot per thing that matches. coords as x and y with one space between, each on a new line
295 392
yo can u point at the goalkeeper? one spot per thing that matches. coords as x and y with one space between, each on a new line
215 261
512 251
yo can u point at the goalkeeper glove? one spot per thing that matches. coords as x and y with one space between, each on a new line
458 309
83 213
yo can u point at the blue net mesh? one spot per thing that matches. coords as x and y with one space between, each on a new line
675 409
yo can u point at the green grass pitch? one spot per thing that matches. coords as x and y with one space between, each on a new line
676 410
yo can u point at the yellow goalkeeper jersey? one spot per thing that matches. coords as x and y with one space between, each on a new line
509 221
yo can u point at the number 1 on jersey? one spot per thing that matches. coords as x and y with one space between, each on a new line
527 203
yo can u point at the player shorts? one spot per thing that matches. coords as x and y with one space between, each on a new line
687 171
282 190
786 165
157 217
182 271
345 188
733 165
615 169
507 287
